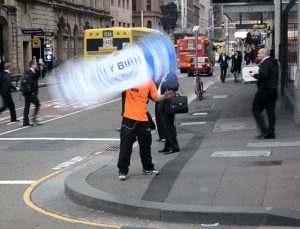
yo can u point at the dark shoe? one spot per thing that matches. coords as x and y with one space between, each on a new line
15 120
161 140
171 151
163 150
150 172
261 136
27 124
270 135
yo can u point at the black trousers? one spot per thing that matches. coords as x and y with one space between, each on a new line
159 121
9 103
265 99
223 73
130 131
31 98
169 125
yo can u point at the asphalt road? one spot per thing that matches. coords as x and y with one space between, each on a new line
71 137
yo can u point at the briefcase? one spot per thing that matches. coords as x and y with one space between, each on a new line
177 104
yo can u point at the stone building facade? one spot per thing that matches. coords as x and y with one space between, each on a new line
121 12
27 25
146 11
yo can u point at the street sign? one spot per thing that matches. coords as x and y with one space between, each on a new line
251 26
107 42
33 32
36 42
48 57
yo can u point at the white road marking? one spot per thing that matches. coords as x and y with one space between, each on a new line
62 116
69 163
273 144
59 139
192 123
16 182
197 114
220 96
254 153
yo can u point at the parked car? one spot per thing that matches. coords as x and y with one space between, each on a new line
204 66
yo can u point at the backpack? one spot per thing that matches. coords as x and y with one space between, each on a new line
25 84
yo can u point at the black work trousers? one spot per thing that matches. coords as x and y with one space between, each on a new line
159 121
168 120
130 131
30 98
265 99
9 103
223 73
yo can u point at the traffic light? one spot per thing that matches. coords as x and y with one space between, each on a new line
169 15
222 24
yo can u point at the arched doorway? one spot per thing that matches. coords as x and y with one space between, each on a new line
75 34
149 24
3 41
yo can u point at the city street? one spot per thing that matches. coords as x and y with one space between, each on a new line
71 135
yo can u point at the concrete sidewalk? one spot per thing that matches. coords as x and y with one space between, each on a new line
222 175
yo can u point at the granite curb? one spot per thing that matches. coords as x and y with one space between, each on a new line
77 189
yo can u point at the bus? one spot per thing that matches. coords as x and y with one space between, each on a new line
103 41
186 49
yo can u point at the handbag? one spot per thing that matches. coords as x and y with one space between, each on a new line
176 104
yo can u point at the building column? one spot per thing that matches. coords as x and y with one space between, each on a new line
297 81
277 27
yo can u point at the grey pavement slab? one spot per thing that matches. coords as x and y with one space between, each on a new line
195 187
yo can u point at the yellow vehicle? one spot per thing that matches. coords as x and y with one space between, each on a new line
104 41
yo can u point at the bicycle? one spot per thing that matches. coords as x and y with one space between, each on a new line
198 87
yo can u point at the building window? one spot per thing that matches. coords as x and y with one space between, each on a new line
123 4
112 23
133 5
119 3
120 24
124 25
149 24
128 25
112 2
148 5
128 4
133 25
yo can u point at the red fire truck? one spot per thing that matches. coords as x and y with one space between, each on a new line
186 49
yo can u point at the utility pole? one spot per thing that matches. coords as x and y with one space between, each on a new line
196 30
182 15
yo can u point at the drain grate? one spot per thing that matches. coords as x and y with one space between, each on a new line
112 148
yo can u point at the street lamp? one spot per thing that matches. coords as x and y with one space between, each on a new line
196 31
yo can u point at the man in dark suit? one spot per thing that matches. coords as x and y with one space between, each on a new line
236 65
31 95
6 87
170 83
266 96
223 61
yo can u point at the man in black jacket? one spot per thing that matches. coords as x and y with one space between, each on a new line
6 87
170 83
266 96
223 61
31 95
